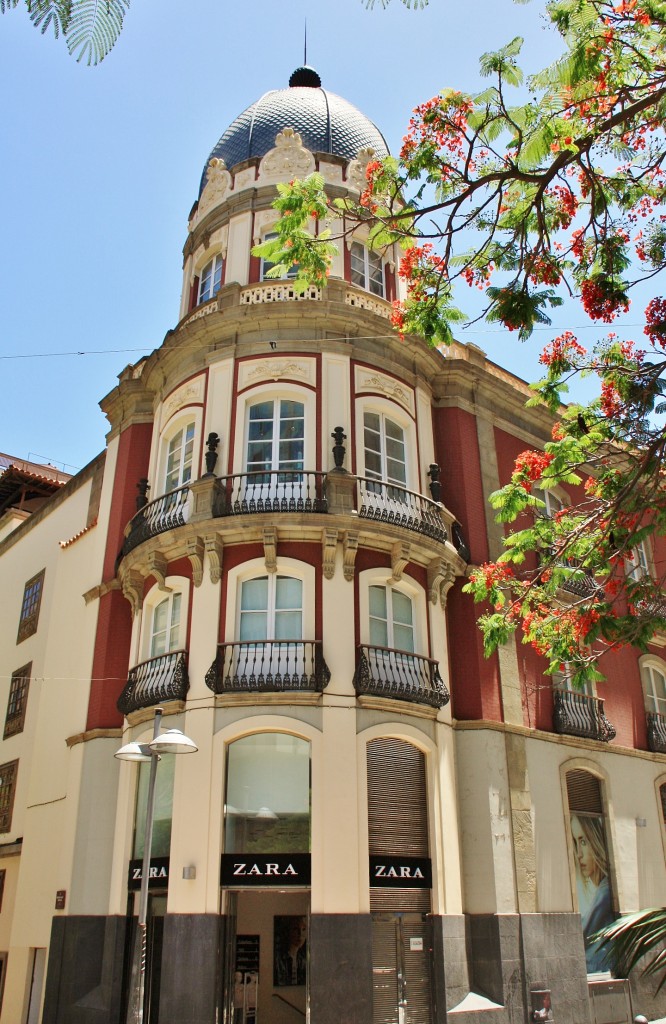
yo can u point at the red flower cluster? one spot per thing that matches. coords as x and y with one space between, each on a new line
567 203
495 573
560 352
655 315
601 303
530 467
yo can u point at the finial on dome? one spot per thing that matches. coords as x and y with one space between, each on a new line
305 76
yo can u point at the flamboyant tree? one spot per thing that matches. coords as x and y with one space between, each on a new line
531 201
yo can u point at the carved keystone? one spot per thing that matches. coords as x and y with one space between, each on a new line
329 551
270 548
399 559
349 549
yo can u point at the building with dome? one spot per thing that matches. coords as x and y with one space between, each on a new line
378 825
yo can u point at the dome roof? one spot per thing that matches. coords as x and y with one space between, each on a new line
326 122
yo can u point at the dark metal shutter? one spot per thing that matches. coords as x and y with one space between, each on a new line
384 971
662 794
584 792
397 816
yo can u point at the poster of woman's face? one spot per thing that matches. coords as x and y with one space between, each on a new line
289 950
588 835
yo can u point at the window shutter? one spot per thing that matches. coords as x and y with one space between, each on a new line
584 792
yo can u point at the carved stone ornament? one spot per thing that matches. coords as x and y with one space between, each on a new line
441 578
385 385
195 552
447 583
157 567
356 170
186 394
329 551
132 585
270 548
399 559
277 369
349 549
214 549
218 184
289 158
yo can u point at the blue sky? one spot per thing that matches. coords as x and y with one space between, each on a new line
101 167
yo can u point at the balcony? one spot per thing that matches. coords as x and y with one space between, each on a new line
656 731
268 666
387 503
154 681
577 714
156 517
384 672
273 491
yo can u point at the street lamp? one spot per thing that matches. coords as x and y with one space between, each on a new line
171 741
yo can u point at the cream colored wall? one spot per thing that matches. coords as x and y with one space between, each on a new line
240 243
11 865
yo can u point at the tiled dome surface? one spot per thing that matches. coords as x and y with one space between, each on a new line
326 122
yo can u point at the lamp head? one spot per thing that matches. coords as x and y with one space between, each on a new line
134 752
172 741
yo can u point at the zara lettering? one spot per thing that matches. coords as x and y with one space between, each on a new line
269 869
152 873
404 871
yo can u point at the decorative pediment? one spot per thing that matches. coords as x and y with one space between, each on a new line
356 169
217 187
381 383
289 158
187 394
254 371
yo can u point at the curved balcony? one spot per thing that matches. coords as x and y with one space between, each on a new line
166 512
155 680
577 714
273 491
384 672
388 503
268 666
656 732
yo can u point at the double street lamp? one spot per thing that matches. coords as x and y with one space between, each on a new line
171 741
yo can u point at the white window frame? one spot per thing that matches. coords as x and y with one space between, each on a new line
364 265
210 285
155 596
554 499
562 680
649 665
639 561
266 265
275 440
257 567
179 422
392 411
271 610
269 392
407 586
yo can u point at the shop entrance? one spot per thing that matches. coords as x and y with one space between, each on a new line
266 963
401 968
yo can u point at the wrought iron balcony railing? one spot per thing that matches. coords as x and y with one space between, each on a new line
157 517
388 503
156 680
577 714
656 731
271 491
269 666
384 672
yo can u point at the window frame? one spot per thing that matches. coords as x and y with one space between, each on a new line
276 399
18 695
638 564
266 265
6 812
648 664
409 588
156 596
214 283
31 603
271 610
265 392
371 260
255 567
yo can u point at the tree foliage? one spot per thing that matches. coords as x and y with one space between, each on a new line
531 201
90 28
635 936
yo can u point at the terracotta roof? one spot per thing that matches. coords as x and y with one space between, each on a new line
27 485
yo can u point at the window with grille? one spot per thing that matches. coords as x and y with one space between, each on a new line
32 599
17 701
8 774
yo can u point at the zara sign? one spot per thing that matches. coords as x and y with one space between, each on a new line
158 876
242 869
401 872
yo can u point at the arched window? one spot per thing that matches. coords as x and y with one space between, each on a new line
211 279
271 608
653 676
391 618
385 448
275 435
366 269
179 458
165 627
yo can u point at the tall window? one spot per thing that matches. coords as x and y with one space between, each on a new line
165 626
8 774
32 599
366 269
276 435
654 687
267 807
638 564
563 680
17 701
385 449
180 453
391 619
161 844
553 502
266 265
211 279
271 609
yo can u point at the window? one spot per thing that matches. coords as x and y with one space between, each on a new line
8 773
266 265
391 619
653 677
275 442
211 279
271 608
385 449
563 680
554 503
165 626
366 269
161 844
17 701
179 458
638 563
32 599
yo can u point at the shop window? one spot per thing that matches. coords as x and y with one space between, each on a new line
590 850
17 701
267 806
165 626
266 265
32 599
179 458
162 819
653 677
8 775
366 269
211 279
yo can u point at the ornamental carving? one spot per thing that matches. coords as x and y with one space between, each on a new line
186 394
356 170
277 369
388 386
218 185
289 158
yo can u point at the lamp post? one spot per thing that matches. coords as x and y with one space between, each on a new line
171 741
